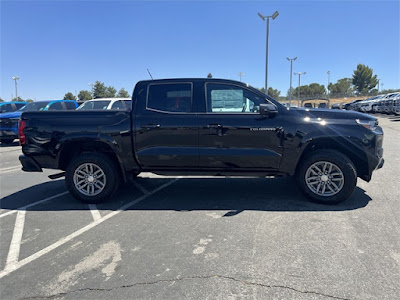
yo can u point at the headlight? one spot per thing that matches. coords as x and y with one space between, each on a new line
371 125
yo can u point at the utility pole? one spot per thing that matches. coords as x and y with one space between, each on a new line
298 92
327 88
266 55
240 75
15 78
91 92
290 89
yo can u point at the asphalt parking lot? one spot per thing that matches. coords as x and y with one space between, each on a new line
200 238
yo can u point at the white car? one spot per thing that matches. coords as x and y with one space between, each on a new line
106 103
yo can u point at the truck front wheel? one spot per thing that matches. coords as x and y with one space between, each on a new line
327 176
92 177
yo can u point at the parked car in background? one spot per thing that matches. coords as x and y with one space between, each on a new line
336 106
396 105
6 107
349 106
322 105
308 105
107 103
9 121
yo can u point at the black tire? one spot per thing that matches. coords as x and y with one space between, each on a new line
7 140
339 162
103 186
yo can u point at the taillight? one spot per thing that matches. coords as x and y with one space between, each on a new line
21 135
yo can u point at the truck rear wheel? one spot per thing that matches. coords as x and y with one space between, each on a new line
92 177
327 176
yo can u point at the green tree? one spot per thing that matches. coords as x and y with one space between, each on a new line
19 99
363 79
1 99
99 90
123 94
274 93
29 100
314 90
342 87
69 96
84 95
110 92
389 91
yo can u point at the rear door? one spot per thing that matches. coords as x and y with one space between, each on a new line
233 135
166 128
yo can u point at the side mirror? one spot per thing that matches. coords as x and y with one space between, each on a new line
268 110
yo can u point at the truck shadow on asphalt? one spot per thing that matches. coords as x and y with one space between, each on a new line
231 195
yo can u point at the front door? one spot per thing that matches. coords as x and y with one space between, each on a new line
233 135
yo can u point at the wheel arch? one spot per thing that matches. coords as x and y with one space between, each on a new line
349 148
72 149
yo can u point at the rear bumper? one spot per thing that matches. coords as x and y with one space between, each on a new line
381 163
29 164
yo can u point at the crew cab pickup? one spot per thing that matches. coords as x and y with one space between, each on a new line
203 127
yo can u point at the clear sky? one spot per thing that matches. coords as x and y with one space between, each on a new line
60 46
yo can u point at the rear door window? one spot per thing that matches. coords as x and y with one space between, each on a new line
19 105
70 105
176 98
55 106
118 105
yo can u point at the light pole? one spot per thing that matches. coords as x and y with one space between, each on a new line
240 75
327 88
91 92
266 56
298 92
378 84
290 89
16 88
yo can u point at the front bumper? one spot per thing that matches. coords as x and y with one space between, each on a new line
29 164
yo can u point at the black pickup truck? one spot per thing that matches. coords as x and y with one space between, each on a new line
203 127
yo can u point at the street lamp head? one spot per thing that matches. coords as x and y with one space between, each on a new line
261 16
295 58
15 77
275 15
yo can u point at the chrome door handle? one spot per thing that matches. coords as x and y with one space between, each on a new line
214 126
151 126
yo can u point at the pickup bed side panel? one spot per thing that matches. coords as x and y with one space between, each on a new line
51 134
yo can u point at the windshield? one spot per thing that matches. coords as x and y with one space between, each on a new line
34 106
95 105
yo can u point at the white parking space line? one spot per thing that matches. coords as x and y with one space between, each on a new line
140 187
13 253
10 169
32 204
79 232
95 212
